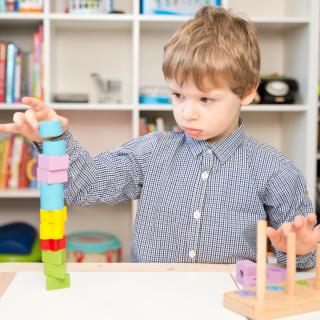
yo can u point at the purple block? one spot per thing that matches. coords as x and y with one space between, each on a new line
249 281
51 177
245 268
53 163
276 274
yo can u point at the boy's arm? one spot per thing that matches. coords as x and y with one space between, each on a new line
109 177
286 197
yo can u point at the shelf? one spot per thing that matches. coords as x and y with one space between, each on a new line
72 106
110 21
20 19
19 193
159 22
251 108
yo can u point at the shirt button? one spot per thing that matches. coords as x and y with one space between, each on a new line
192 254
209 151
204 175
197 214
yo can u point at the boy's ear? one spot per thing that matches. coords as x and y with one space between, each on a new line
249 95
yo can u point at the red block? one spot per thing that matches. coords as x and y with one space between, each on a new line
53 245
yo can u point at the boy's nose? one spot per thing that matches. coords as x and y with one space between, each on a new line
190 111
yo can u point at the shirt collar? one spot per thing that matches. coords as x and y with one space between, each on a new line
223 149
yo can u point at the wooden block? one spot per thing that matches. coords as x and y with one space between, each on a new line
54 257
276 304
51 231
53 244
54 283
53 163
51 203
245 268
54 148
50 128
55 271
50 177
53 216
51 190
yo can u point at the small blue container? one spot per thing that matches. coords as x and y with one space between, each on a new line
50 128
54 148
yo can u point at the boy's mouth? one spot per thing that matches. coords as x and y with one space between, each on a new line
192 131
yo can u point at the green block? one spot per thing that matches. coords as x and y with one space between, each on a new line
54 283
55 271
58 257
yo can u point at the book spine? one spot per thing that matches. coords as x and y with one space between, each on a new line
11 53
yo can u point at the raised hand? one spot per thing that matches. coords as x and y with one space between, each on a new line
27 123
307 235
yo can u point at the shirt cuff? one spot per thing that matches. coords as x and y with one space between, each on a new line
305 262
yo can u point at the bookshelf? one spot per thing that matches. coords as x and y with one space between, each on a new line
129 47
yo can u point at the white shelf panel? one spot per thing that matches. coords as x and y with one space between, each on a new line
20 193
110 21
72 106
91 106
159 22
250 108
21 16
19 20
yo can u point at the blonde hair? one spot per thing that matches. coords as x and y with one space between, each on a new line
218 46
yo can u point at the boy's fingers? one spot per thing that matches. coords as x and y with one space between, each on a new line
286 228
35 104
9 127
311 220
298 223
18 119
64 122
273 235
32 119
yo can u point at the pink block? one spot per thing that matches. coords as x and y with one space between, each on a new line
51 177
53 163
245 268
249 281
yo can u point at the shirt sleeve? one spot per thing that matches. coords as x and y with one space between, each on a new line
287 197
109 177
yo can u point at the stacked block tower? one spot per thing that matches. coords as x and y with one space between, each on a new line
51 174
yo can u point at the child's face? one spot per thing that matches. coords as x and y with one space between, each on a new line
210 115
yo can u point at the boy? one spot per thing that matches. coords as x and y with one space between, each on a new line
203 189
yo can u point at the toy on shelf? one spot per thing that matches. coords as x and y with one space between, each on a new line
280 299
51 173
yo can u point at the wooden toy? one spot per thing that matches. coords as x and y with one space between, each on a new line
51 196
55 283
50 177
53 245
53 216
50 128
55 271
54 148
278 300
53 163
51 203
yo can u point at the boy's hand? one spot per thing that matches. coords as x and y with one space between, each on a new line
27 123
306 235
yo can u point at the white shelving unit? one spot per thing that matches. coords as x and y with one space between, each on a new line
129 47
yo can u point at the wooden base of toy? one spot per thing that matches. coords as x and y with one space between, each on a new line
277 304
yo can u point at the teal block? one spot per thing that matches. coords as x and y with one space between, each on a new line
51 128
54 148
52 203
51 190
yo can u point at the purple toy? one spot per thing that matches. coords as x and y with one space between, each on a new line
51 177
244 269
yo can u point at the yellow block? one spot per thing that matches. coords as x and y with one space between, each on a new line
53 216
51 231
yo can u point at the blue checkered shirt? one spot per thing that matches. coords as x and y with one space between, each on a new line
198 202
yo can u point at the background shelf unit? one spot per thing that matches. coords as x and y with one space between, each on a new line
129 47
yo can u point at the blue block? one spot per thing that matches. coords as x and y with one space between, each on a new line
51 203
50 128
54 148
51 190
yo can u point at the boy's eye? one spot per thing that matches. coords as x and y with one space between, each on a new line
205 100
177 95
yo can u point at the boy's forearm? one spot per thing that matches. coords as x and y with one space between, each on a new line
305 262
